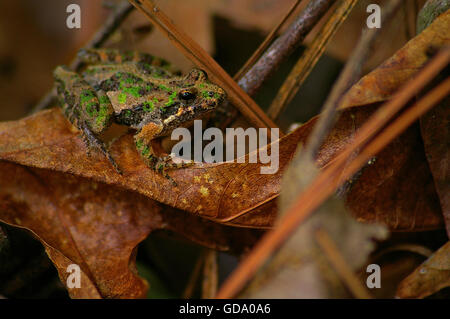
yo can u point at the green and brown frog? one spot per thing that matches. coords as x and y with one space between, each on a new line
136 90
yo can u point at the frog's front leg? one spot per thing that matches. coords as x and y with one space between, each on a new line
89 110
143 140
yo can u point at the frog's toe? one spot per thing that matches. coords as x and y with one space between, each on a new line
170 179
184 164
169 163
114 164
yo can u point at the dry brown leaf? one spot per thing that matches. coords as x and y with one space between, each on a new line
397 189
430 277
98 226
87 290
46 140
435 134
380 84
92 225
55 180
237 194
232 193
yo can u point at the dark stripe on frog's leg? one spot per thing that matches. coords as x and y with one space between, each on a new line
165 163
169 164
92 141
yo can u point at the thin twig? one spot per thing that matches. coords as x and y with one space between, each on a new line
279 50
99 38
189 290
263 46
210 275
340 265
348 76
202 59
309 58
231 112
284 45
330 178
3 239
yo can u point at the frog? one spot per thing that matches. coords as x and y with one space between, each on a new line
138 90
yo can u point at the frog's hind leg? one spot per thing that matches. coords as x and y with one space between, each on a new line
89 110
92 141
143 140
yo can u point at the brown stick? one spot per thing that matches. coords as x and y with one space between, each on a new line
189 289
284 45
309 58
257 54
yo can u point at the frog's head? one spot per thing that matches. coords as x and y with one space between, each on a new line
190 98
199 94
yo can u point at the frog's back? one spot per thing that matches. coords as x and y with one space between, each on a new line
95 75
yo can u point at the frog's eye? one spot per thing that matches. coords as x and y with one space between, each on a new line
187 95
